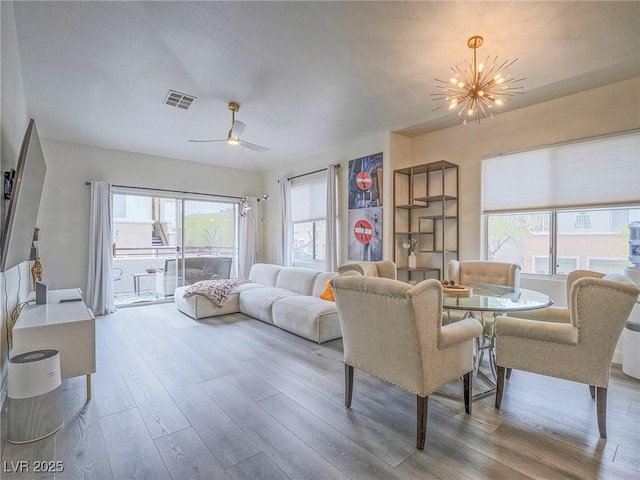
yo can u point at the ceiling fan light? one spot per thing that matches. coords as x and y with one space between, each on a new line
233 141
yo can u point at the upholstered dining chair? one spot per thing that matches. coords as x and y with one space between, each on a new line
383 268
394 331
580 349
554 313
482 271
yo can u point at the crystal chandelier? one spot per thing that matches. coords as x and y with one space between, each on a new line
475 89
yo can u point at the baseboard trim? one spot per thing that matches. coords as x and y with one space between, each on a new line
617 358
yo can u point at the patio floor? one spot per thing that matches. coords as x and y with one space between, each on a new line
130 298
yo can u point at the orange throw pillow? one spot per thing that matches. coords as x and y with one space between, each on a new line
327 293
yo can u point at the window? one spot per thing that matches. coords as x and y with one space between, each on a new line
530 207
308 216
309 241
521 238
157 231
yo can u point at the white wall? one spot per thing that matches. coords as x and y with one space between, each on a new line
340 155
63 218
14 284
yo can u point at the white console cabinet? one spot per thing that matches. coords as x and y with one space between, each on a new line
65 324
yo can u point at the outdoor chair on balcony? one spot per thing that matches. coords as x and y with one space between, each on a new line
117 274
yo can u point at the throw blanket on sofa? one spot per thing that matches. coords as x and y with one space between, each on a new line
215 290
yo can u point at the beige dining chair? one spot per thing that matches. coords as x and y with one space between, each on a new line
554 313
581 349
394 331
482 271
382 268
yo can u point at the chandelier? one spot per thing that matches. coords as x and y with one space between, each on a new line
475 89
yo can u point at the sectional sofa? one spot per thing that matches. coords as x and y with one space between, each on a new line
287 297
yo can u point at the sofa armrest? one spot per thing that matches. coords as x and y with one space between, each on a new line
458 332
532 329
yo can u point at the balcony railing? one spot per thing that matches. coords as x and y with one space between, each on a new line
136 260
163 251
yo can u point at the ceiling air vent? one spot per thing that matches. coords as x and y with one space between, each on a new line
177 99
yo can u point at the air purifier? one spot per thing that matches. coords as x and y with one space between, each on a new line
34 392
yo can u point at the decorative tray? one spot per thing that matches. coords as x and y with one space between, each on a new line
457 291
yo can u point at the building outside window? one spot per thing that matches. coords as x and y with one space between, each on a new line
595 239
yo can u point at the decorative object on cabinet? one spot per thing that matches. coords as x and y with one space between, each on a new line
426 216
36 269
411 246
365 208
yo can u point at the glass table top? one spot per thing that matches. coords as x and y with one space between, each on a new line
496 298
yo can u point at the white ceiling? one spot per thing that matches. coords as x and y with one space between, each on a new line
308 75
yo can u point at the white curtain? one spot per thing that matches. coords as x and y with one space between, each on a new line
331 255
248 239
285 239
100 274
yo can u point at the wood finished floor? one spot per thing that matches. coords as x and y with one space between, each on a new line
234 398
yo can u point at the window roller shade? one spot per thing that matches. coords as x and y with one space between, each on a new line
602 170
308 197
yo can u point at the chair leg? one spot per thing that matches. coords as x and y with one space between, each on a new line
468 386
348 385
422 421
509 373
601 408
592 390
500 385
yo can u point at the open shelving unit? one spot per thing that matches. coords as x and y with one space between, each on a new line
425 208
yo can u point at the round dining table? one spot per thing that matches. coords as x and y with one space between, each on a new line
498 300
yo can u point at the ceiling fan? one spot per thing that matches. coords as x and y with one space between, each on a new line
236 130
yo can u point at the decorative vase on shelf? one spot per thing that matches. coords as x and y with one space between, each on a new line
411 260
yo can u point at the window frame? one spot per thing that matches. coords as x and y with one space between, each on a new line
553 233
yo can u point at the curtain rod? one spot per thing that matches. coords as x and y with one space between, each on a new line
173 191
337 165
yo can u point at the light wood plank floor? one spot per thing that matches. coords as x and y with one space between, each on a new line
234 398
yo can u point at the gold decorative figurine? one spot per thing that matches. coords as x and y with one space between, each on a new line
36 269
36 272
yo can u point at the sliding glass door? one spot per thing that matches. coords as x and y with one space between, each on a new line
164 242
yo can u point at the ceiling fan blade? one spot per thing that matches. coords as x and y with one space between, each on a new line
208 141
253 146
237 129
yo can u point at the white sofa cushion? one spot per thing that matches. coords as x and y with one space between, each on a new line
258 302
296 279
307 316
321 282
265 273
